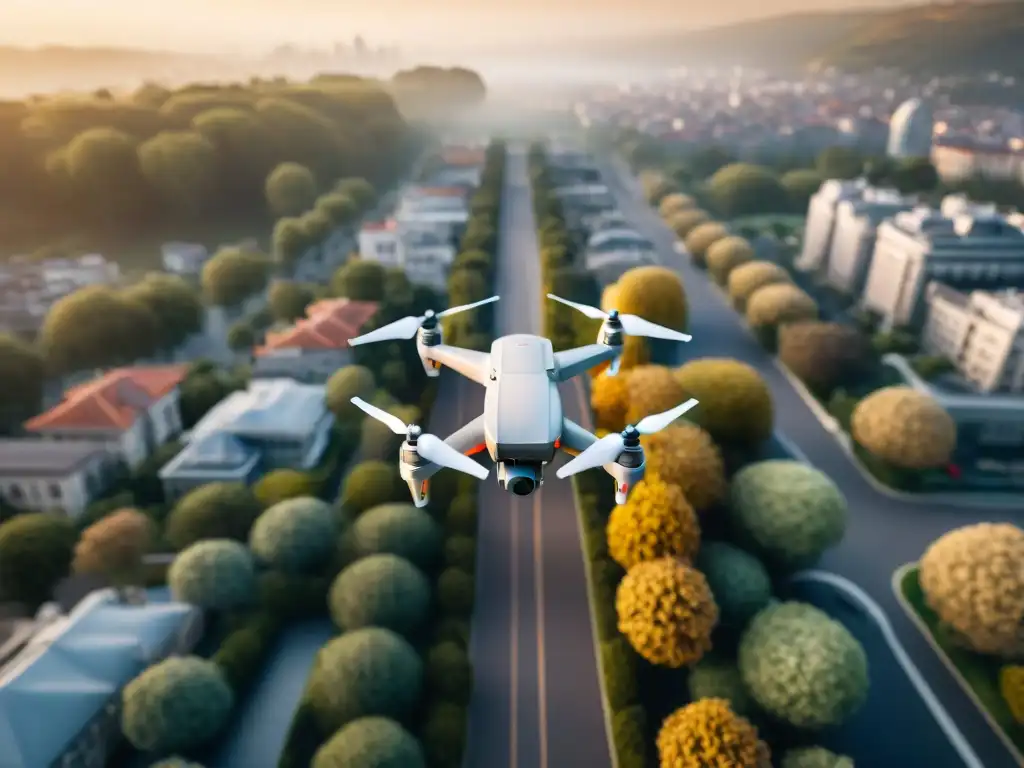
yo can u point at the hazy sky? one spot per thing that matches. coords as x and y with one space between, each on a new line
247 25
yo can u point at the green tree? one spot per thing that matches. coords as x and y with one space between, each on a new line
290 240
341 210
102 164
175 304
290 189
212 511
915 175
358 190
288 300
181 166
359 280
799 186
839 163
241 336
36 551
316 225
742 189
232 275
346 383
22 375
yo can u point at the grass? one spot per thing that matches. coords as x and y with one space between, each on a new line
978 675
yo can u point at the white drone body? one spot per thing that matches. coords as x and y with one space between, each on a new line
522 425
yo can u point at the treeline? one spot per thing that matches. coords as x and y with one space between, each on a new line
202 152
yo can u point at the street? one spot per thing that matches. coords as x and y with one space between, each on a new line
883 532
536 700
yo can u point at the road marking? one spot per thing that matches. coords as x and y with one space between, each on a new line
538 589
924 691
513 687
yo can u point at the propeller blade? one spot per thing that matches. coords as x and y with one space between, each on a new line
400 329
436 450
464 307
658 421
604 451
637 326
393 422
613 366
592 312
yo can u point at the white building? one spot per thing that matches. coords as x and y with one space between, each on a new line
821 217
424 253
967 251
959 162
184 259
378 241
981 333
910 130
46 475
853 237
90 269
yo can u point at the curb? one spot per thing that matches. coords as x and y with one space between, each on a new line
918 622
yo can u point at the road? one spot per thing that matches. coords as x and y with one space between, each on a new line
536 700
883 532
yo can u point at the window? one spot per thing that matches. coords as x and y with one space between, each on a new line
55 491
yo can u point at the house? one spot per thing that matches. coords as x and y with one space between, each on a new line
61 677
459 166
316 346
184 259
132 411
274 424
378 241
44 475
443 209
426 258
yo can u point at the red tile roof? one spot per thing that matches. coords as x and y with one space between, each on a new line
111 402
328 324
379 226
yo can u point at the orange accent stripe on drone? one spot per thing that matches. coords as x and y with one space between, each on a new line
424 487
558 443
476 449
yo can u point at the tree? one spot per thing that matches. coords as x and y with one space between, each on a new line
905 428
340 209
290 189
381 591
115 546
35 554
377 739
708 732
360 191
232 275
359 280
839 163
283 484
742 189
296 535
241 336
181 166
915 175
290 240
288 300
103 167
800 185
174 303
22 376
215 575
212 511
316 225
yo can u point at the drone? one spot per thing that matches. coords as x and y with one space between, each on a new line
523 424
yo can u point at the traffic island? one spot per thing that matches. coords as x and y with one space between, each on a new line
977 675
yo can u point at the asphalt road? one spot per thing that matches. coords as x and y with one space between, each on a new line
536 700
883 532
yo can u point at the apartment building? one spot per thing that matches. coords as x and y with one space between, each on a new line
821 219
853 237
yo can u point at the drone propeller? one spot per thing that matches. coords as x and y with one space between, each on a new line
607 449
406 327
633 325
428 446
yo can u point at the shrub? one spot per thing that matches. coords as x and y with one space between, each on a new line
618 663
655 522
738 580
654 293
744 189
452 630
666 611
904 427
443 735
629 734
460 552
449 673
295 536
370 742
707 732
802 667
651 389
294 596
114 547
971 579
213 511
346 383
684 455
1011 686
241 653
397 529
674 203
364 673
283 484
371 484
715 678
787 511
775 305
455 592
735 402
814 757
702 237
461 517
725 255
36 551
684 222
608 399
380 591
825 355
747 278
178 704
216 575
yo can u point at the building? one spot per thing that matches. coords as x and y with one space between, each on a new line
379 241
981 332
131 411
458 166
442 209
90 269
184 259
821 218
424 253
274 424
47 475
853 236
957 161
61 676
315 347
910 130
973 250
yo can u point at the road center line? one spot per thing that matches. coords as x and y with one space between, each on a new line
513 741
538 589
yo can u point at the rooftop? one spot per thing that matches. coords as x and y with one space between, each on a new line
33 456
327 325
111 402
73 667
379 226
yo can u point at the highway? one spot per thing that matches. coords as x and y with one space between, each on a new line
536 699
883 532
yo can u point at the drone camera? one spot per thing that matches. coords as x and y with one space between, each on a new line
518 479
